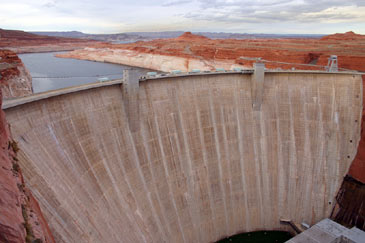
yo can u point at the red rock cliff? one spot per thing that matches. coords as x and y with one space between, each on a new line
15 80
21 219
346 36
357 169
348 47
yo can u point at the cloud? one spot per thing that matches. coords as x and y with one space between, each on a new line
50 4
108 16
175 2
250 11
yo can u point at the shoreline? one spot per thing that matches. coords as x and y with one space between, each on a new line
158 62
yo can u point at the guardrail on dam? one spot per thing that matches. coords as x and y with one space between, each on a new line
205 161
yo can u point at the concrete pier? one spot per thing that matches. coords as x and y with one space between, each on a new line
328 231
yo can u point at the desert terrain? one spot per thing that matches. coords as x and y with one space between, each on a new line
24 42
15 80
191 51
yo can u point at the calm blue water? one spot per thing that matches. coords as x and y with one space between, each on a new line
49 72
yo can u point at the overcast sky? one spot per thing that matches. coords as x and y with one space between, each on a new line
242 16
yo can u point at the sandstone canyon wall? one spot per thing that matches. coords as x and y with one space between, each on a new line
160 62
21 219
15 80
191 51
203 164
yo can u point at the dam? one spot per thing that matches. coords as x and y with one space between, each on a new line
188 158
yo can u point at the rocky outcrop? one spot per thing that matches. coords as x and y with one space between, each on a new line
199 52
342 37
357 169
164 55
15 80
20 217
22 42
350 206
188 36
153 61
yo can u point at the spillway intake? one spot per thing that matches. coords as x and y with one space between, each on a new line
201 165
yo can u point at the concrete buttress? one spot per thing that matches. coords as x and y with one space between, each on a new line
130 89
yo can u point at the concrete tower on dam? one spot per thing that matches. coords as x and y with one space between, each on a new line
188 158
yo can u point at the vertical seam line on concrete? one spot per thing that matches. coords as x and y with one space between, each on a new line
167 176
207 181
132 192
231 201
219 160
242 157
87 160
154 184
187 152
65 154
281 183
319 163
147 192
308 169
293 160
116 189
264 164
334 185
257 163
63 223
56 217
188 174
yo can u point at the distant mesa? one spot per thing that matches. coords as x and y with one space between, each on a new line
191 37
19 35
350 35
25 42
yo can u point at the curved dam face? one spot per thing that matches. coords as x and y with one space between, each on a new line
203 161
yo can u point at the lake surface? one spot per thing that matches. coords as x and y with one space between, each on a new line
49 72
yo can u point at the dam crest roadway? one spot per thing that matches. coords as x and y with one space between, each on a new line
188 157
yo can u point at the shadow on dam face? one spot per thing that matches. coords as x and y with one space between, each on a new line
202 165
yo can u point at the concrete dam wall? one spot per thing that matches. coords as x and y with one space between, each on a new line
208 156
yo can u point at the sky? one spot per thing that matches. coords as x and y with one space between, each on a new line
239 16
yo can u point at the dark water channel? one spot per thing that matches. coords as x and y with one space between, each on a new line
49 72
259 237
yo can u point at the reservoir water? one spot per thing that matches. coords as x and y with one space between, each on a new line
259 237
49 72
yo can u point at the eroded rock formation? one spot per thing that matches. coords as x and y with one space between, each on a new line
190 51
15 80
21 219
350 206
349 36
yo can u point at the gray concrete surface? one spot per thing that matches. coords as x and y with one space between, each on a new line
202 165
328 231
